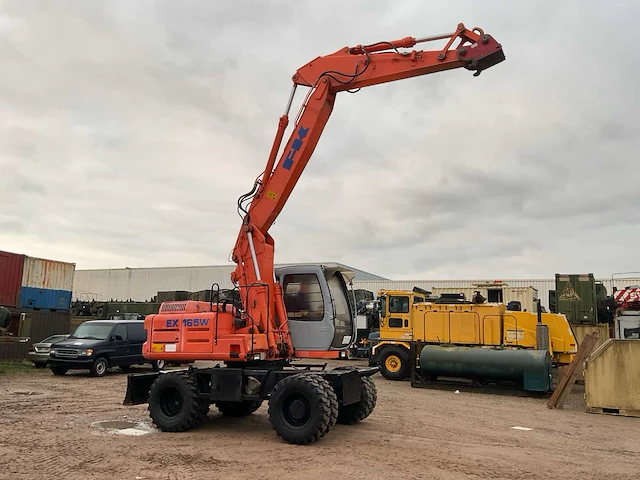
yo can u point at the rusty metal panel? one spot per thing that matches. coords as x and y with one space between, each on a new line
47 274
44 324
14 350
11 265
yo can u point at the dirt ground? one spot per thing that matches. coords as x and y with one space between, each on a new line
48 431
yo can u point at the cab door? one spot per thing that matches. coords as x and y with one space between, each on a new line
397 319
120 345
319 314
137 336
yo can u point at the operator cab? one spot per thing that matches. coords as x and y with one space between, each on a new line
320 309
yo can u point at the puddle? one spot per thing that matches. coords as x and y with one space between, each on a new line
120 427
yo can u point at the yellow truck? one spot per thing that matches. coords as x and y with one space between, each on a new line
411 316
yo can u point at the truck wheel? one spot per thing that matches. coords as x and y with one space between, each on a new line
59 370
303 408
356 412
394 363
174 403
238 409
99 367
157 365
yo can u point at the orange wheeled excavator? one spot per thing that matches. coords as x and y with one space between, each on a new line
293 312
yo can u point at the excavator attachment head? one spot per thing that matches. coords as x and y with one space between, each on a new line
483 54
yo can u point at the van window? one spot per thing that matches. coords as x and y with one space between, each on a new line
136 332
120 333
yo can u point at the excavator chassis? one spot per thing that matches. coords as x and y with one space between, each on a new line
305 400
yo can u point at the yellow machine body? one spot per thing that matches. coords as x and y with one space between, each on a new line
406 317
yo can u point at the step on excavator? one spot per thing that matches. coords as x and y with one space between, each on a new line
302 311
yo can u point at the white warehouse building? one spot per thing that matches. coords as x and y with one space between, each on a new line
142 284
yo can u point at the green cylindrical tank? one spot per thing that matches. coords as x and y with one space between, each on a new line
530 369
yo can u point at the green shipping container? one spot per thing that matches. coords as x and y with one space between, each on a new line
576 298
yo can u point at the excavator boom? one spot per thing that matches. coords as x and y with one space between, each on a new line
347 69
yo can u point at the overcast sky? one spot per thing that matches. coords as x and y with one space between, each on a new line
129 129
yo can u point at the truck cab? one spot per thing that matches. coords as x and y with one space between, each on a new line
320 308
390 346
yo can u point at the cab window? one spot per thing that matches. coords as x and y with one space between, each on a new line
399 304
303 297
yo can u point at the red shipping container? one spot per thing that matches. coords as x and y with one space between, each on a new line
11 265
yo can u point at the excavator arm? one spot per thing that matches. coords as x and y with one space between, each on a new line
347 69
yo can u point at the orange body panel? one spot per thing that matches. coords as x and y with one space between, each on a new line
198 331
320 354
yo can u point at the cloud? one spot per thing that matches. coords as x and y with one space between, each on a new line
129 130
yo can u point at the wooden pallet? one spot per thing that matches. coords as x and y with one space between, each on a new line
614 411
561 393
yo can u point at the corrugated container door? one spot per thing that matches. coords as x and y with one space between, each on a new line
576 297
11 265
46 284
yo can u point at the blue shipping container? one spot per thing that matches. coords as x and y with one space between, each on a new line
44 299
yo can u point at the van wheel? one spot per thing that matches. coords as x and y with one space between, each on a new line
394 363
59 370
157 365
99 367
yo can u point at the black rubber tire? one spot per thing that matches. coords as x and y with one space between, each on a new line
310 392
59 370
238 409
174 403
40 365
403 355
356 412
99 367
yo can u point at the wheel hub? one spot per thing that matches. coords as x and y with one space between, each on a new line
171 403
393 363
297 410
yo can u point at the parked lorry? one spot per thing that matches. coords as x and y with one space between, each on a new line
627 314
407 317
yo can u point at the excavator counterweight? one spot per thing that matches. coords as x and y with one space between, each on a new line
299 311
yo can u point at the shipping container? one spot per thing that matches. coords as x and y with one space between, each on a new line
14 349
11 265
38 325
576 297
46 284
